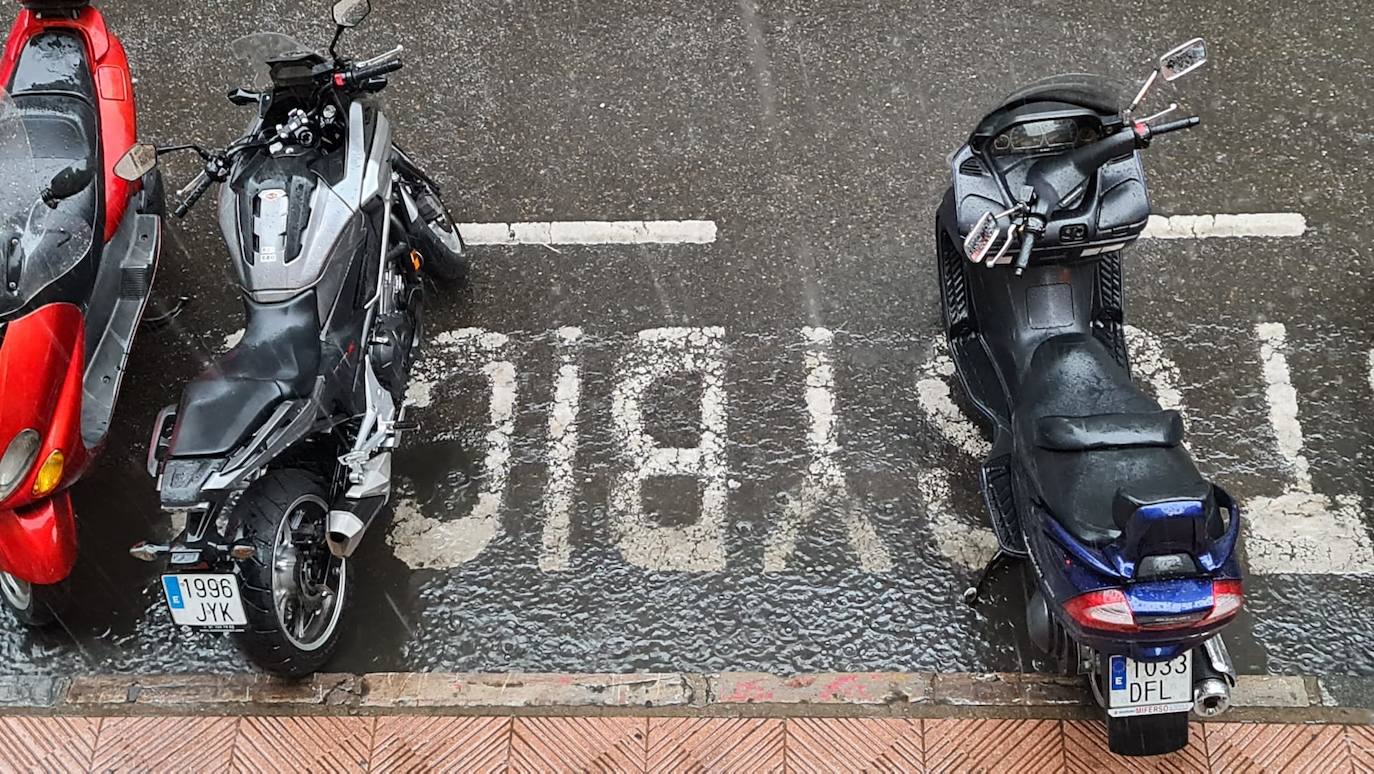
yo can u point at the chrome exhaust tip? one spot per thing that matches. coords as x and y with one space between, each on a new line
1211 697
343 532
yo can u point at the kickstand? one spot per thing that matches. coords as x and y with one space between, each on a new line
162 319
999 561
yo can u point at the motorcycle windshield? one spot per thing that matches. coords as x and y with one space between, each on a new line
1092 91
261 48
39 243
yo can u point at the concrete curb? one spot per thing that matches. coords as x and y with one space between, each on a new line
1342 699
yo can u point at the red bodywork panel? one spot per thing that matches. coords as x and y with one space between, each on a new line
42 362
42 354
38 542
118 125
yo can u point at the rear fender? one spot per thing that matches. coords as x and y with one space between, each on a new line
38 541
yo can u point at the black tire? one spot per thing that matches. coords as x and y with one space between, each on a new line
260 514
35 606
1148 734
440 245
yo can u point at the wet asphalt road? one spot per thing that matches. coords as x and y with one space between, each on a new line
815 136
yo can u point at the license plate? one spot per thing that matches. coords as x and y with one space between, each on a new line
1140 688
206 601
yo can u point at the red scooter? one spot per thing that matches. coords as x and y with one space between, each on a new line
78 247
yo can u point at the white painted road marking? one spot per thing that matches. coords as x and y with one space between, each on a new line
1253 224
1297 532
968 542
695 547
561 488
1300 531
824 483
591 232
428 543
971 545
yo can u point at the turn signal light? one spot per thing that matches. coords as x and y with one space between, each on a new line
50 474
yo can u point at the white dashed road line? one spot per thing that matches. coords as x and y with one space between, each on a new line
591 232
1301 531
1253 224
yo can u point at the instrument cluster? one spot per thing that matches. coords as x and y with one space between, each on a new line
1051 135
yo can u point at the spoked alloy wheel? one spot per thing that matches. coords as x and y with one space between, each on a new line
32 605
294 590
307 580
439 242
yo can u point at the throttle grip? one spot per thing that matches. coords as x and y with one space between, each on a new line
197 188
1174 126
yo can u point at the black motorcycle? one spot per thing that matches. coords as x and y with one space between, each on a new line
279 455
1132 553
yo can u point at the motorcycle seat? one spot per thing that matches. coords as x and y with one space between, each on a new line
1087 433
1109 431
278 359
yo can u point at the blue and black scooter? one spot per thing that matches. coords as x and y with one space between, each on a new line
1131 551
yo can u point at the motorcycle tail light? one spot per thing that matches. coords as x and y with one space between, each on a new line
1227 599
1109 610
1103 610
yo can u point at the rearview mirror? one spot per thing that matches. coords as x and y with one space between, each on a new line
982 238
69 182
1183 60
137 162
350 13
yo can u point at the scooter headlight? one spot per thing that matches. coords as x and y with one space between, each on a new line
18 461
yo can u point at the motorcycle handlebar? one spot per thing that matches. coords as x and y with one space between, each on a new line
1174 126
196 189
360 73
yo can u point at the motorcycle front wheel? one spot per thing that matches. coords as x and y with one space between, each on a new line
440 244
294 590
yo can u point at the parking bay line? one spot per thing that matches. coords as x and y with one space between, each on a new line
640 232
590 232
1250 224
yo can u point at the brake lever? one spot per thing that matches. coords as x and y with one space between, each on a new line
1013 231
1166 111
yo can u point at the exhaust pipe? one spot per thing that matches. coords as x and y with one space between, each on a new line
344 531
1211 697
1215 675
347 522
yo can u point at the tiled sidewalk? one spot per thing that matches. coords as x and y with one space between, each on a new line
473 744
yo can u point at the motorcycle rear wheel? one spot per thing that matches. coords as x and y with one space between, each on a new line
34 605
1148 734
294 590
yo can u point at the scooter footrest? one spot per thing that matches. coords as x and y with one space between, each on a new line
1001 502
134 283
